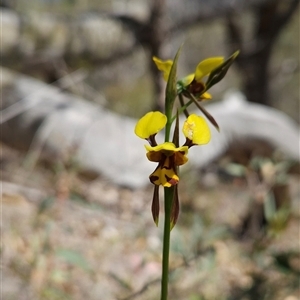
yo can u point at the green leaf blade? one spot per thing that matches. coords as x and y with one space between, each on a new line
171 89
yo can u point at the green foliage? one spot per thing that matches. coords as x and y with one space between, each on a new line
73 258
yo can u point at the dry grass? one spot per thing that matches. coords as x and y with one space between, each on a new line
90 239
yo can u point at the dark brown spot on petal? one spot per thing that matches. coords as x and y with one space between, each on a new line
153 178
167 167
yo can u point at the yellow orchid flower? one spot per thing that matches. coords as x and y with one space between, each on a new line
167 155
193 82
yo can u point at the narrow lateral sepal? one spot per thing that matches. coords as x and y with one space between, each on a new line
175 208
155 205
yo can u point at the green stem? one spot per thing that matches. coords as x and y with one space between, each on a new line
186 113
168 197
166 243
171 93
168 112
181 109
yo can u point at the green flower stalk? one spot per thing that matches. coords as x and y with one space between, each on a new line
168 155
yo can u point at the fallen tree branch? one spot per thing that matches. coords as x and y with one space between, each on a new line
61 124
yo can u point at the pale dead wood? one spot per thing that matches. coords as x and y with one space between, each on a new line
59 125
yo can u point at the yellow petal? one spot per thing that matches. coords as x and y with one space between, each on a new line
187 79
150 124
164 175
206 66
196 129
206 96
167 148
164 66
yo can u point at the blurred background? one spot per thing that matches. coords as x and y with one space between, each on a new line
70 231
